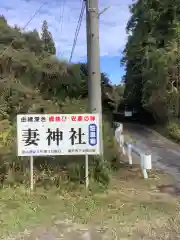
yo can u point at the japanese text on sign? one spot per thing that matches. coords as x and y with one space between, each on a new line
65 134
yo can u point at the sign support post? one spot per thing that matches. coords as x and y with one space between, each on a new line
86 171
32 173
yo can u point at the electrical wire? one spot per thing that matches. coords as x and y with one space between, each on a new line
61 21
33 16
62 16
77 30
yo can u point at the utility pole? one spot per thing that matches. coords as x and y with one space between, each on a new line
93 59
177 63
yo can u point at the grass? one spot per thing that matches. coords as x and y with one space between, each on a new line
170 130
161 129
132 208
129 139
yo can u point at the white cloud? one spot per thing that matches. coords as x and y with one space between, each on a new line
112 23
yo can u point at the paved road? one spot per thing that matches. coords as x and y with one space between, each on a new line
165 154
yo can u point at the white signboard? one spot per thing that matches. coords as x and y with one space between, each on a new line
58 134
128 113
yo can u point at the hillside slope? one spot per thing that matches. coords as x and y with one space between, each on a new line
35 81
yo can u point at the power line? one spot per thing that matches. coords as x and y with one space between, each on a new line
61 21
33 16
77 30
62 16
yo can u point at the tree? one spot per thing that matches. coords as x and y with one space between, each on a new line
49 45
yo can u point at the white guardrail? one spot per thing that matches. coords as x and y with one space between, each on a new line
129 148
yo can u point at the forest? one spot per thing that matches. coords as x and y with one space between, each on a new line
151 55
152 61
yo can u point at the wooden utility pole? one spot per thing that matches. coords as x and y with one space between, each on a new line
93 57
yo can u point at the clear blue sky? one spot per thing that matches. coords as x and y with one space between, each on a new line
111 66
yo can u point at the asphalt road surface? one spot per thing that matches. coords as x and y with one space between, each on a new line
165 154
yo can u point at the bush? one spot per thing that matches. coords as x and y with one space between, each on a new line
76 172
173 130
111 152
101 171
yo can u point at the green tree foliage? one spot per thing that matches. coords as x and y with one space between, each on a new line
151 56
118 93
48 42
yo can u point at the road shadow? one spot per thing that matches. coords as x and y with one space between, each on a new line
171 189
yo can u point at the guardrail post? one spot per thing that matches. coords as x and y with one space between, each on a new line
147 161
130 154
145 173
145 164
121 143
143 167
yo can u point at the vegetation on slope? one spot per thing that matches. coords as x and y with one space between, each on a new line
151 57
152 60
34 80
